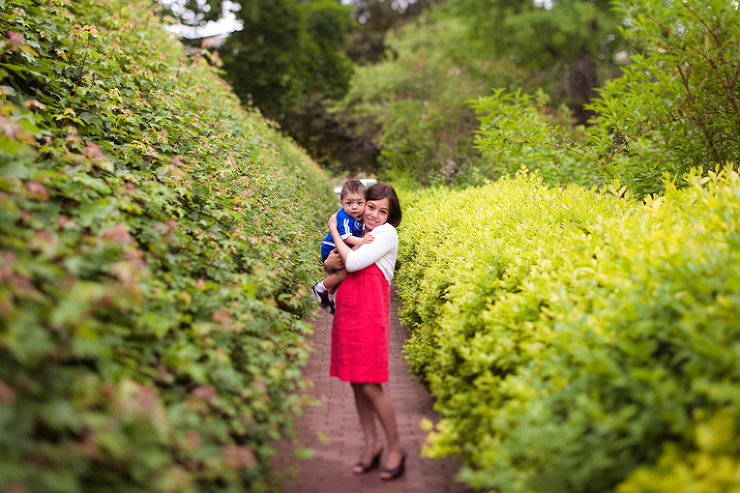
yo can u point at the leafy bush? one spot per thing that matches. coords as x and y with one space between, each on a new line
579 341
675 106
519 130
156 244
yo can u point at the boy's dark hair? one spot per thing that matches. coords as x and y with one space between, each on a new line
352 186
379 191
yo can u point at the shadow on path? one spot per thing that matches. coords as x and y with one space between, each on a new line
333 430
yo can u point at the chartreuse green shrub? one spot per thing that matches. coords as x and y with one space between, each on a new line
579 341
156 242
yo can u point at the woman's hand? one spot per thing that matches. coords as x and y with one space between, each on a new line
334 261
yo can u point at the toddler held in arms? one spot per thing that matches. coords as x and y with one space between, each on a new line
351 228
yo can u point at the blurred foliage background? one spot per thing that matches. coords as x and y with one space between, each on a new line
446 92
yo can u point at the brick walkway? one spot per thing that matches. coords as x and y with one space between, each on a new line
333 431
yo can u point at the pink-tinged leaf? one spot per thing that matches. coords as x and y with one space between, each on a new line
8 275
136 257
118 233
147 397
222 316
34 105
125 272
237 457
6 393
86 446
14 37
93 150
206 392
193 438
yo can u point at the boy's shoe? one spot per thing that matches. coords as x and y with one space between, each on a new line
322 297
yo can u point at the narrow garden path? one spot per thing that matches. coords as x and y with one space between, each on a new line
333 431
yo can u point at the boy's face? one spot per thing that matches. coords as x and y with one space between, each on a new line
354 204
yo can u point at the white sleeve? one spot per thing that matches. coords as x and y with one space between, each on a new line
385 242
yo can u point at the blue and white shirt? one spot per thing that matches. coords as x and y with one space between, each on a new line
347 226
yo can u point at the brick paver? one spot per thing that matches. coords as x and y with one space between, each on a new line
333 431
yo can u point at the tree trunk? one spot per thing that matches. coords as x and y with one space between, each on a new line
583 80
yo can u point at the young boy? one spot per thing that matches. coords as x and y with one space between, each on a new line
350 225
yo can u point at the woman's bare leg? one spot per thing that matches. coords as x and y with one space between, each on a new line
381 405
367 422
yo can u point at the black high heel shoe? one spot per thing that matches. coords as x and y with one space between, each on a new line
361 468
396 472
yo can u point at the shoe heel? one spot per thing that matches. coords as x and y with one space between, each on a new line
361 468
396 472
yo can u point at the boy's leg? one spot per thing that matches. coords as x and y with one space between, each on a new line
321 293
320 287
335 279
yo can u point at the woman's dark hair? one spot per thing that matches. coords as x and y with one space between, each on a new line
379 191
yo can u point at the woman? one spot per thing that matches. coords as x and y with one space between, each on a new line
361 328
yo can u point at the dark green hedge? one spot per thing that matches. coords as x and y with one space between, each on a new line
156 244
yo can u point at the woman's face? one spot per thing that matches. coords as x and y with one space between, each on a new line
376 213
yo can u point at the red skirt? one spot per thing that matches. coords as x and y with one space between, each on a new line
360 334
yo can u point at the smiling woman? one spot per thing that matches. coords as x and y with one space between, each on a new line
361 327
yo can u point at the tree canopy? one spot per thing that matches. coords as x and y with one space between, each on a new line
572 44
291 57
287 51
375 19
